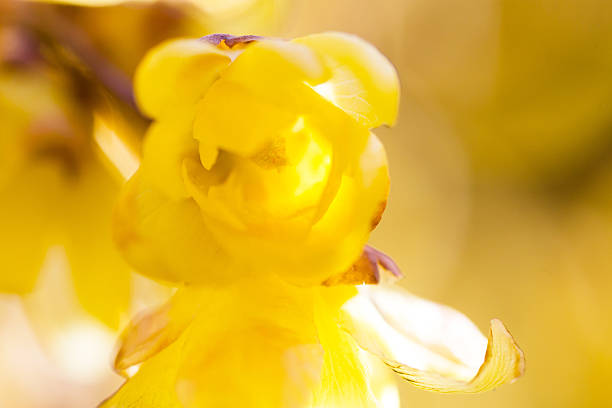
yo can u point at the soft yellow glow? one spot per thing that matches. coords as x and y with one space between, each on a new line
389 397
113 147
313 168
299 125
381 380
327 90
79 351
76 342
132 371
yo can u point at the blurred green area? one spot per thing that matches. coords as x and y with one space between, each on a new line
501 166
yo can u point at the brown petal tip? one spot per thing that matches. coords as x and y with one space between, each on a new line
367 270
230 41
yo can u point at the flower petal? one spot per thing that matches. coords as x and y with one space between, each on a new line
254 101
154 383
100 276
432 346
25 215
154 330
363 83
345 381
177 72
276 63
168 142
232 118
166 239
334 242
255 346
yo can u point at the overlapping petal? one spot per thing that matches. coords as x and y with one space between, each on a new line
152 331
232 118
363 82
153 385
166 239
319 254
265 177
432 346
257 343
177 72
166 145
281 361
266 201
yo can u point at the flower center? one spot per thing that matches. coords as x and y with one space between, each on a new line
279 188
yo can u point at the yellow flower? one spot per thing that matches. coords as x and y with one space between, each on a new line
266 343
54 190
259 185
62 100
251 167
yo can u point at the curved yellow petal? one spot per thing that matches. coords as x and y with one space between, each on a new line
254 345
381 380
27 204
154 383
344 381
335 240
257 343
177 72
166 239
353 211
363 81
100 276
154 330
432 346
244 117
168 142
231 117
250 364
278 64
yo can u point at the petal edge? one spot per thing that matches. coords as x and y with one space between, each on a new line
431 346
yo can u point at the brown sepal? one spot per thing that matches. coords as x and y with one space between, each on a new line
367 269
230 41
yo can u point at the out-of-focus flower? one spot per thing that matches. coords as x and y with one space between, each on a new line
65 109
54 190
239 15
261 173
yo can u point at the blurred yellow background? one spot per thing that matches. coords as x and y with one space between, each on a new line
501 169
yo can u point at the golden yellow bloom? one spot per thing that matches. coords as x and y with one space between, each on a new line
251 166
259 186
